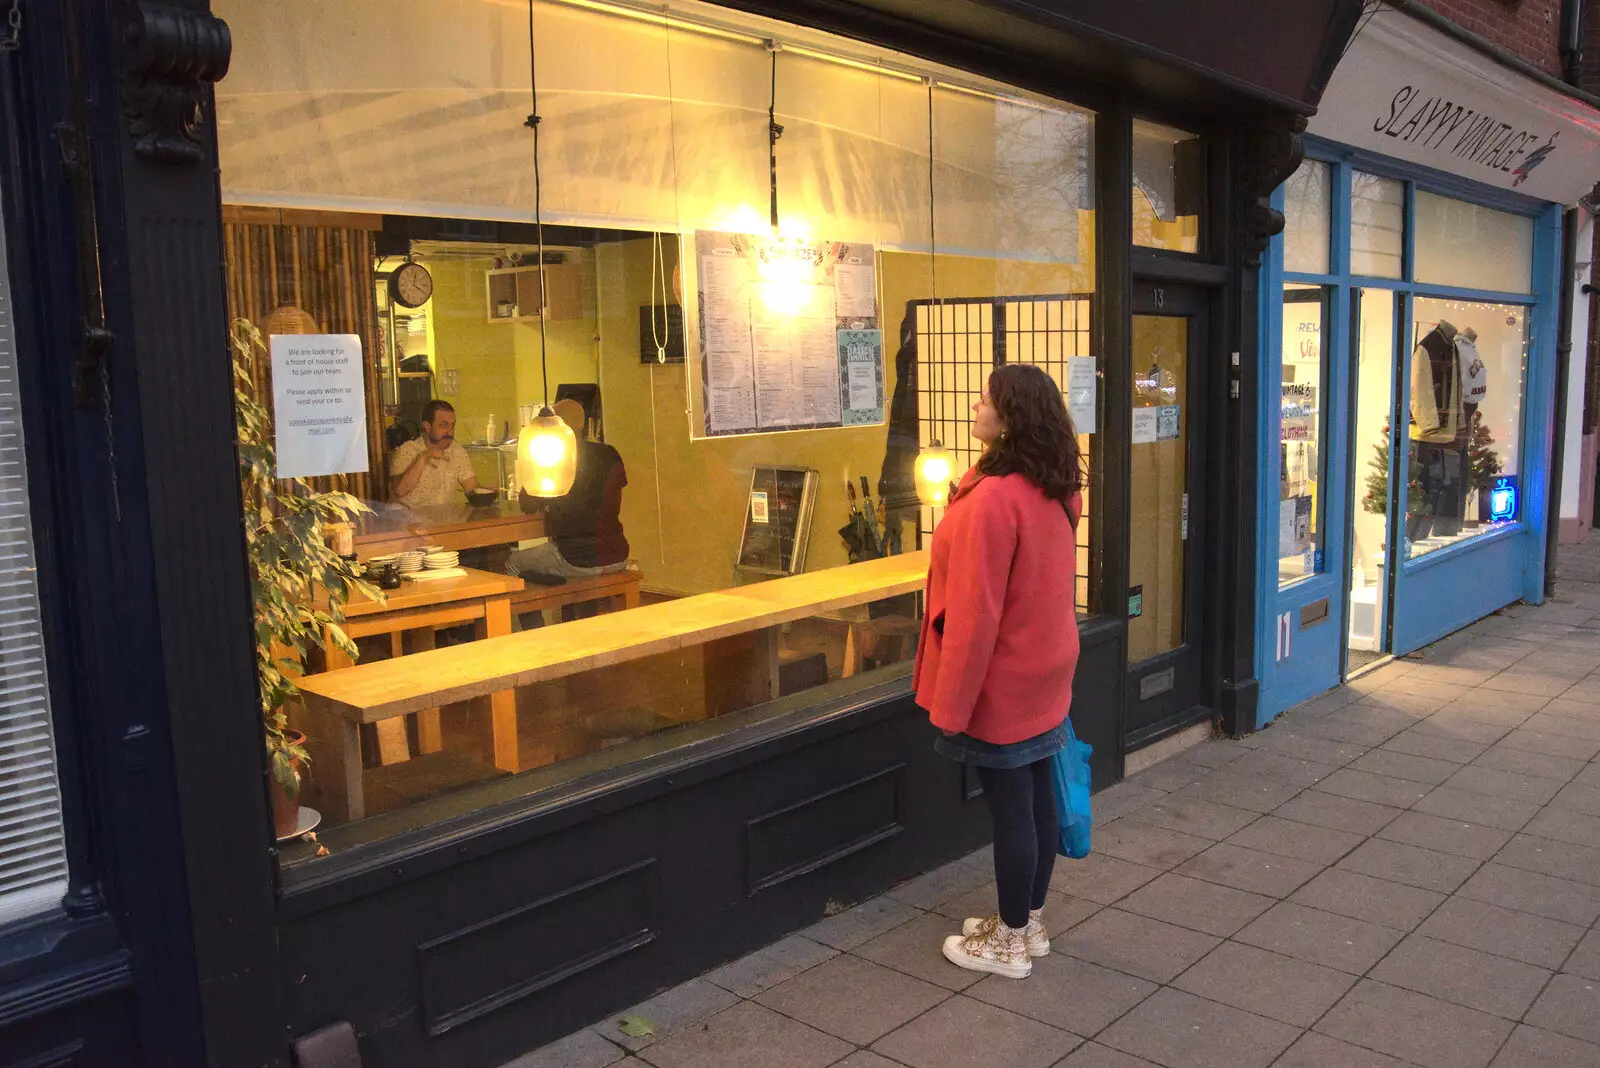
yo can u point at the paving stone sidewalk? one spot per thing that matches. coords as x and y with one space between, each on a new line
1404 871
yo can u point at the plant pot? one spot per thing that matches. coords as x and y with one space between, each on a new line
286 813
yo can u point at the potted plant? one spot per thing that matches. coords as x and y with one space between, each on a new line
298 583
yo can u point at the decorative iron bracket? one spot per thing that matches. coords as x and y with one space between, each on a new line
173 56
1267 156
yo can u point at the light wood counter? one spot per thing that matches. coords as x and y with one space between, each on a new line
372 692
393 527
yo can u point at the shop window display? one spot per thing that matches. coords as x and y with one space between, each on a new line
1466 369
1300 433
771 491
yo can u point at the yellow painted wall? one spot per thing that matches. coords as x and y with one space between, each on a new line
689 542
498 363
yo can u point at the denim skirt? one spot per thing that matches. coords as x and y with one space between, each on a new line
969 750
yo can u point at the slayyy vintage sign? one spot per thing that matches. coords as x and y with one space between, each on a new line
1406 90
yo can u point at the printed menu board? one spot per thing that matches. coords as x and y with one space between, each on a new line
789 334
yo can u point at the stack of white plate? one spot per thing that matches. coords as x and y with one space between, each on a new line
411 561
440 559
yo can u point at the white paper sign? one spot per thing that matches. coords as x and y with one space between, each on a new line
319 404
1169 420
1144 425
758 506
1082 387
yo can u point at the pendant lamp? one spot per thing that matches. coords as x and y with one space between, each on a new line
934 465
547 456
547 449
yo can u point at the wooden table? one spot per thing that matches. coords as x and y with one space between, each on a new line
737 628
482 598
393 527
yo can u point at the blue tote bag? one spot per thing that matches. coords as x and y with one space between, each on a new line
1072 796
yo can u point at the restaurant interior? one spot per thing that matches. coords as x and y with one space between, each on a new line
769 568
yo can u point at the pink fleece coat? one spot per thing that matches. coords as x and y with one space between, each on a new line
1000 633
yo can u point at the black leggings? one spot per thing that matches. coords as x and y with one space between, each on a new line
1026 829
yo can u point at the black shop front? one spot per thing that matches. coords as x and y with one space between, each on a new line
767 253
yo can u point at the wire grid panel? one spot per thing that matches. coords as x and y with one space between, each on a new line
959 342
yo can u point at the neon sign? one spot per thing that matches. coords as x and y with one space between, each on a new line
1503 499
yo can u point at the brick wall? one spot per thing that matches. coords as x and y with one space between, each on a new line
1528 29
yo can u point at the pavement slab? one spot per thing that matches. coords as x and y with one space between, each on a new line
1399 873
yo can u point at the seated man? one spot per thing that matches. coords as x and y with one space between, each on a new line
431 468
584 527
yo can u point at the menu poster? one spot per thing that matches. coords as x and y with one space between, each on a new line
782 324
318 404
777 522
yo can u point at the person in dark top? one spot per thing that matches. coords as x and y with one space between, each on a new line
584 527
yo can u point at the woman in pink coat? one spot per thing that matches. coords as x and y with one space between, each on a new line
1000 644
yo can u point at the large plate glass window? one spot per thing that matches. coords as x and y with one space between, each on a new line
923 236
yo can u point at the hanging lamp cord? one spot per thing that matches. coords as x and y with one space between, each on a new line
935 359
774 131
532 122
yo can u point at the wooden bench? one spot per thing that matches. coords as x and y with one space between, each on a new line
621 588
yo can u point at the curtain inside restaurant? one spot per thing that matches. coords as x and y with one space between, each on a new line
418 107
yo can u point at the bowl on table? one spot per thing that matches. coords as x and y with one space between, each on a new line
482 497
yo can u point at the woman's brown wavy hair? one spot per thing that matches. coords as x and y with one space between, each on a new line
1039 442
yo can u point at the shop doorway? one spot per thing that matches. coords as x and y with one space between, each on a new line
1376 445
1165 512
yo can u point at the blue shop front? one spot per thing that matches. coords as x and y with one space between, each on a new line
1411 310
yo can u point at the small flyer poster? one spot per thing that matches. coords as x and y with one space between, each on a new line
758 506
318 404
1168 422
861 376
1145 422
1083 385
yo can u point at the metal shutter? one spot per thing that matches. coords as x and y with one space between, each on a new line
33 861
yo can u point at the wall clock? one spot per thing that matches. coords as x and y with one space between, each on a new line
411 285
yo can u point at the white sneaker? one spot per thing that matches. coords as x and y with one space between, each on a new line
1037 937
993 947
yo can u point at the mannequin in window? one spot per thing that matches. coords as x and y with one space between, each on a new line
1438 435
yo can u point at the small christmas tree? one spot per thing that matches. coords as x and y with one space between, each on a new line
1376 500
1483 463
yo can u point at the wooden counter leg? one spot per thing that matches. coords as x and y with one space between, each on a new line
741 671
496 621
335 746
430 734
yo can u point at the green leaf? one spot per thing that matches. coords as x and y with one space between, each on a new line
636 1026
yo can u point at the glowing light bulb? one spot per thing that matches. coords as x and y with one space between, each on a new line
933 470
547 456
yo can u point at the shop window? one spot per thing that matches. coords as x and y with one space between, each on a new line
747 405
1168 187
33 860
1307 197
1472 247
1301 423
1467 363
1377 225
